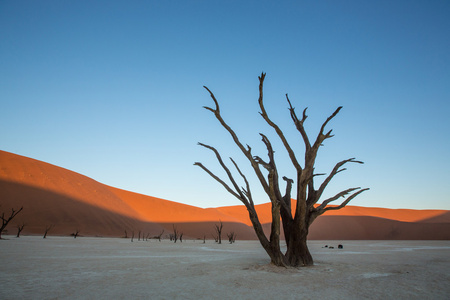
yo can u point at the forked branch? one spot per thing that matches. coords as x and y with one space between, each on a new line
246 152
247 192
230 176
343 204
337 169
275 126
299 123
230 190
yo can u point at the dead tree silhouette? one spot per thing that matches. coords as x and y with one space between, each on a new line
231 237
296 222
47 229
218 229
19 229
75 234
158 237
175 234
7 219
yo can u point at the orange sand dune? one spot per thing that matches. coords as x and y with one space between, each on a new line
44 176
153 209
403 215
71 201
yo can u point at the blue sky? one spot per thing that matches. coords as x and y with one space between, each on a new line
113 90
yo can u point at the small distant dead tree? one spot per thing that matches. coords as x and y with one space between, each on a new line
7 219
132 235
215 237
231 237
218 230
296 222
139 235
19 229
159 235
175 234
126 235
47 229
75 234
204 239
181 237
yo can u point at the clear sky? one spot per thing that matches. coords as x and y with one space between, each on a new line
113 90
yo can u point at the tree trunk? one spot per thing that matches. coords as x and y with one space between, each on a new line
277 258
297 254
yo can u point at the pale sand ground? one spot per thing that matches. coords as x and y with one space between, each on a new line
108 268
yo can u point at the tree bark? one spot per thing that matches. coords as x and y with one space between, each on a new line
297 254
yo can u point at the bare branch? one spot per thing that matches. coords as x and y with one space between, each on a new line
260 161
321 137
335 197
337 169
246 152
270 151
319 174
217 110
274 126
230 176
299 123
343 204
247 190
6 220
218 180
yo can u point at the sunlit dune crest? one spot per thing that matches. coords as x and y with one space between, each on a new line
153 209
71 201
41 175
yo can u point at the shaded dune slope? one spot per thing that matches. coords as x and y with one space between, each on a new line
70 201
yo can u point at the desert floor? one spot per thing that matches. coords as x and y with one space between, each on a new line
108 268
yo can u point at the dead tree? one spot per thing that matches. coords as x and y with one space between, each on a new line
47 229
218 229
75 234
158 237
231 237
7 219
175 234
216 238
132 235
19 229
296 219
126 235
